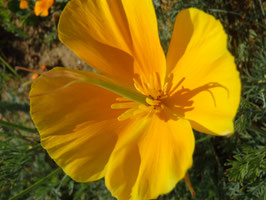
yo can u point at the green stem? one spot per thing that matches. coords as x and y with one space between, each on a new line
132 95
204 138
9 67
225 11
97 80
11 125
118 89
261 8
37 184
10 106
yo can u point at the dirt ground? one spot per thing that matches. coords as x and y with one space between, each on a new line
32 55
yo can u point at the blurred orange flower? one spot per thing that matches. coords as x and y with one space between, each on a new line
132 123
42 6
23 4
34 76
43 67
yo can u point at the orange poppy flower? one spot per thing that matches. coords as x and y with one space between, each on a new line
42 6
23 4
132 123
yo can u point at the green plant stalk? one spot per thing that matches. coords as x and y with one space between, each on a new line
11 125
204 138
124 92
35 185
261 7
11 106
97 80
9 67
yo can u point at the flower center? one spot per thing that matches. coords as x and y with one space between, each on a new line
152 89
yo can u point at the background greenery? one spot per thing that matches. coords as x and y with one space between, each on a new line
224 167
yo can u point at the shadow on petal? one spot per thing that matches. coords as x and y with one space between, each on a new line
181 101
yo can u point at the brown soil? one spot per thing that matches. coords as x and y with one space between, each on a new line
61 56
32 54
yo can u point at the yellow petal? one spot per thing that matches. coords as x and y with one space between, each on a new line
122 172
209 83
125 161
143 27
97 31
42 6
153 162
77 126
23 4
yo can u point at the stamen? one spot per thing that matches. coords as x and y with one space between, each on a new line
127 114
158 80
134 112
166 88
177 85
149 86
138 86
145 86
141 109
134 109
152 102
152 93
124 105
168 84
